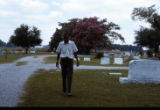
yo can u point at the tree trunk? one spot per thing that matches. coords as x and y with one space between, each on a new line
27 50
95 49
156 50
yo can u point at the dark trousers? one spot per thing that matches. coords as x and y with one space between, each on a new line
67 72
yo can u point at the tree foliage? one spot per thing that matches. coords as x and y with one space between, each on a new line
149 37
88 33
26 37
2 43
58 35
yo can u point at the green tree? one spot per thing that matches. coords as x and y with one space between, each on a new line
149 37
57 36
26 37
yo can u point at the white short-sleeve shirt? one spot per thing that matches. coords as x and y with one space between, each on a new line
67 50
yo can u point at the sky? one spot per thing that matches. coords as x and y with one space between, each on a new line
45 15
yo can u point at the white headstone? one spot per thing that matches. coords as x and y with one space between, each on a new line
145 55
87 59
33 52
106 55
117 55
105 60
127 54
118 60
136 57
143 71
16 52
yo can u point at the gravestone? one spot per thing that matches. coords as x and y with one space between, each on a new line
106 55
105 60
115 74
117 55
127 54
87 59
143 71
16 52
145 55
33 52
136 57
118 60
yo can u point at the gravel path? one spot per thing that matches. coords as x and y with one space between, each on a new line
12 77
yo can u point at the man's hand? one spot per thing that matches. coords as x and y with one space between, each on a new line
57 64
77 63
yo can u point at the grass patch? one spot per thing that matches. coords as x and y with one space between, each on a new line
48 60
11 58
14 57
90 88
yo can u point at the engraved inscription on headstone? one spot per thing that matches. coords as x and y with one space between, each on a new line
118 60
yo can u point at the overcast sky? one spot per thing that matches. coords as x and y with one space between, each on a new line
45 14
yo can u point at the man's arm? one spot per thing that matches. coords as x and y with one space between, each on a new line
76 56
57 61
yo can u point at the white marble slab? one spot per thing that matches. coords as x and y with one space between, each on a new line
106 55
105 60
143 71
118 60
136 57
87 59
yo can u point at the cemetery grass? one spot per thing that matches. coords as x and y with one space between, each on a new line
93 62
11 58
90 88
14 57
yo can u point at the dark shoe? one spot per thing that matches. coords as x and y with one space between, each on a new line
69 94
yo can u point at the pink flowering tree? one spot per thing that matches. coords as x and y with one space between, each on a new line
91 33
88 33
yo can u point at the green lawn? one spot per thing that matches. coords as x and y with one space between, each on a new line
90 88
11 58
95 62
14 57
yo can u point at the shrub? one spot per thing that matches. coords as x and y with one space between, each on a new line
149 53
158 56
99 55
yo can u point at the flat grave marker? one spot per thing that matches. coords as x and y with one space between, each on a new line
116 74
